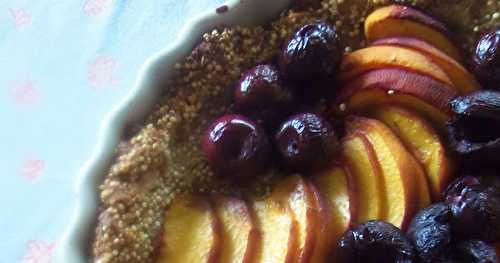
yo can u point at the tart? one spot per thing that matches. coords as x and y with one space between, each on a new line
323 136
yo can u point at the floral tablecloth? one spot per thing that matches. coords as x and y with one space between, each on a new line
63 65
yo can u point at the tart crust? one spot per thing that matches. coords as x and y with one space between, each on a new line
163 157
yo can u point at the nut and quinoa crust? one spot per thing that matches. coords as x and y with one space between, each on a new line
164 157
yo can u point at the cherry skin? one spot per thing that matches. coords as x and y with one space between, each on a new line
459 186
476 214
310 60
312 52
486 59
262 95
306 141
236 147
373 242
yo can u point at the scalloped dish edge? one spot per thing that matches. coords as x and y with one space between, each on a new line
76 241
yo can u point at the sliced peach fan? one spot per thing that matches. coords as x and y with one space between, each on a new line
462 79
400 81
397 168
295 193
239 233
278 231
423 199
378 57
423 141
337 199
191 232
394 86
402 21
364 171
364 101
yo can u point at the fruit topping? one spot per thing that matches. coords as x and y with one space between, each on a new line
375 241
296 193
431 233
475 205
239 233
363 172
388 86
459 186
490 179
191 231
462 79
474 130
236 146
261 95
339 206
404 21
367 59
486 59
306 141
476 214
311 55
398 170
425 144
277 231
476 251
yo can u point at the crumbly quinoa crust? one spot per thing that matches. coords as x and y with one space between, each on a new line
164 157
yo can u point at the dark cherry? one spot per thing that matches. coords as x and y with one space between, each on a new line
480 181
431 233
377 242
490 179
236 147
461 185
312 52
476 214
474 129
311 57
262 95
476 251
306 141
486 59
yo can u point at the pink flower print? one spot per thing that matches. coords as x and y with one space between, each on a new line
25 93
95 7
101 72
31 169
22 18
39 251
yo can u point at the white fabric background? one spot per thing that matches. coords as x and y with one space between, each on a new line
63 65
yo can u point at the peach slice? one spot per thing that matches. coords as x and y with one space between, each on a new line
394 86
364 172
240 236
462 79
278 232
422 185
423 142
295 192
397 166
377 57
403 21
335 199
191 232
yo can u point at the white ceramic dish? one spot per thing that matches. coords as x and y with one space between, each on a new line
75 244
